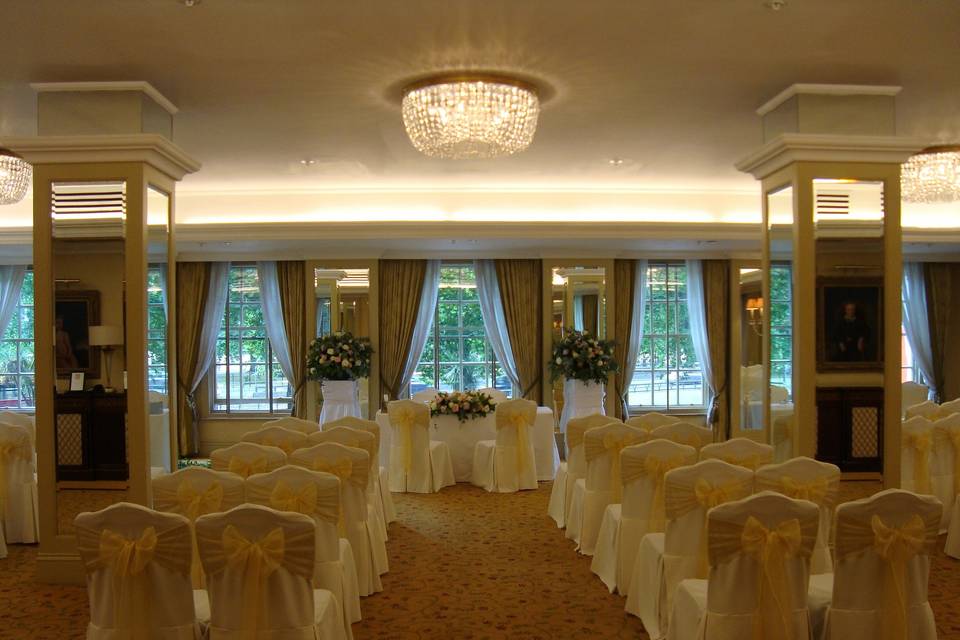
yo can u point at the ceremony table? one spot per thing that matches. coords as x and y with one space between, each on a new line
462 436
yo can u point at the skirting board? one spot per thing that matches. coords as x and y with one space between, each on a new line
60 568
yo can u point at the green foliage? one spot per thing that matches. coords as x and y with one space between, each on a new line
339 356
580 356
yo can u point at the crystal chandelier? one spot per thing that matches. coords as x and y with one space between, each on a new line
933 175
15 174
470 116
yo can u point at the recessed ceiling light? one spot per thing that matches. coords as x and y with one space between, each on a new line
191 3
308 162
775 5
615 162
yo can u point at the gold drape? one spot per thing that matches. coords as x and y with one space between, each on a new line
401 284
938 282
193 281
624 274
291 283
521 291
716 292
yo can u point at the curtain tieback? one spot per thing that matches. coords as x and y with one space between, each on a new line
773 547
921 443
127 559
257 561
896 546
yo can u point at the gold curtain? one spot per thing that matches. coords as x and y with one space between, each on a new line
521 291
291 282
938 283
716 293
624 274
193 282
401 284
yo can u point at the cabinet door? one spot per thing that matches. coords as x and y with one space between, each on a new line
831 426
864 413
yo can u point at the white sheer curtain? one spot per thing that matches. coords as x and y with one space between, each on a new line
636 329
217 291
11 281
494 318
273 317
578 312
915 321
428 306
697 312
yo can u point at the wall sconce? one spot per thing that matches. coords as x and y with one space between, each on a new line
754 308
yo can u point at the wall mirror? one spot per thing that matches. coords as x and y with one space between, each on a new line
159 373
750 310
342 300
776 308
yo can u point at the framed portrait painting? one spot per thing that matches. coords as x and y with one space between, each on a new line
74 313
849 324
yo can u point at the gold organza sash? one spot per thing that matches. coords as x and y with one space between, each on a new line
654 467
321 501
896 546
289 445
921 442
773 548
611 443
520 421
578 427
821 491
11 451
404 420
127 559
246 468
344 468
188 501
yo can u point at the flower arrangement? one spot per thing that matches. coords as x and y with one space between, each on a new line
581 356
339 356
466 405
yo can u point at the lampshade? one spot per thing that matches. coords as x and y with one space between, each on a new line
106 335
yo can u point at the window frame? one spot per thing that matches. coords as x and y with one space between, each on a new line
158 337
19 341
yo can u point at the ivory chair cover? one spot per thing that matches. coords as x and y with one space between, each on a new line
497 395
573 468
742 452
882 569
684 433
315 494
946 409
259 565
276 436
417 463
807 479
916 437
944 464
664 560
759 550
652 420
380 477
642 471
926 409
365 440
195 492
18 485
247 458
21 420
351 465
913 393
602 484
137 563
425 395
507 464
294 424
952 508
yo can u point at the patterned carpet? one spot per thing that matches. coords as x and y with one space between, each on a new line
463 564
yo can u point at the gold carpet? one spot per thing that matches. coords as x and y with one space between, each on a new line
463 564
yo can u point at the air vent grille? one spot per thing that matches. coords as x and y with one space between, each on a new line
833 203
86 199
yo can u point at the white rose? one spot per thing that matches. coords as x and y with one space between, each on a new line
330 351
559 360
346 364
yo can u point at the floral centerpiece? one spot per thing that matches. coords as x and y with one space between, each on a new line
584 357
339 356
466 405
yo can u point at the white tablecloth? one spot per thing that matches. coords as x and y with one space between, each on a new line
462 436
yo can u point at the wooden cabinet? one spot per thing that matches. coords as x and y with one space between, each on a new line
91 436
850 427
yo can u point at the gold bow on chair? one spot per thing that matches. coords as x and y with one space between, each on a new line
193 503
708 496
921 442
773 547
404 420
341 467
897 545
256 561
815 490
614 443
519 422
127 558
656 468
285 498
247 468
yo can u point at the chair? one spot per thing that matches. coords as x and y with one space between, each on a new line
277 436
664 560
779 394
508 464
879 585
18 485
602 484
381 479
497 395
137 563
425 395
642 470
946 409
952 508
759 552
684 433
652 420
294 424
574 467
315 494
742 452
807 479
259 565
912 394
195 492
916 436
351 465
247 458
926 409
944 463
21 420
417 463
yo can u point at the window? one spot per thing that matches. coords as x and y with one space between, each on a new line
16 354
457 355
781 327
909 371
667 374
156 330
248 377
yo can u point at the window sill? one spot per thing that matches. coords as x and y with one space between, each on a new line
235 417
689 411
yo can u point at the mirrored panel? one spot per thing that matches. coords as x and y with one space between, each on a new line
776 307
578 302
159 375
342 299
750 311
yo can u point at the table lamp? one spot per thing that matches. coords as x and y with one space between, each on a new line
106 336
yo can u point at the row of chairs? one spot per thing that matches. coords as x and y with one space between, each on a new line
19 515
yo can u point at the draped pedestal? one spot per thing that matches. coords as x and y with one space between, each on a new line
340 399
580 399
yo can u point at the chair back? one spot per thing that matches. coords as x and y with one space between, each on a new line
247 458
259 564
945 462
883 547
779 394
21 420
277 436
643 468
497 395
197 491
410 422
350 464
949 408
916 437
576 428
759 551
651 420
739 451
913 393
601 450
925 409
684 433
294 424
361 424
352 438
137 563
425 395
16 460
511 416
